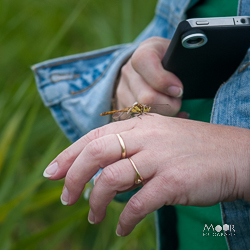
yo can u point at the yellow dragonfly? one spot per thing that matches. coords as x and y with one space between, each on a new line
137 109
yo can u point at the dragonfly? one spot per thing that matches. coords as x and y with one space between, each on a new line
137 109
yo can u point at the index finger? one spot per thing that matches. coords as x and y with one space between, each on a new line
146 61
59 167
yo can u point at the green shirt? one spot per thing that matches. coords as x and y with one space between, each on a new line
192 220
213 8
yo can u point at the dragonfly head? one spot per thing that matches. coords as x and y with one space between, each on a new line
147 108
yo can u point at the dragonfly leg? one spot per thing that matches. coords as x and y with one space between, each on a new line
138 115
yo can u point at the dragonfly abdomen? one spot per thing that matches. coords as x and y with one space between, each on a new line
114 111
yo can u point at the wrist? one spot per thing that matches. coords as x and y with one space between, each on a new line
241 160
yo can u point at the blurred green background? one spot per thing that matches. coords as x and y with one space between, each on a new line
31 215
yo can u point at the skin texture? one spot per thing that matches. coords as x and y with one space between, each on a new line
182 161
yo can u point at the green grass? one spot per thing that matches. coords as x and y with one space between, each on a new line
31 215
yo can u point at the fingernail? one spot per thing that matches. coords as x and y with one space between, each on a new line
65 196
183 114
91 217
95 180
119 230
50 170
175 91
186 115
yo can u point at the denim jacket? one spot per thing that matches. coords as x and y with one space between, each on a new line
78 88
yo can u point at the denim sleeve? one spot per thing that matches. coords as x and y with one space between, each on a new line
78 88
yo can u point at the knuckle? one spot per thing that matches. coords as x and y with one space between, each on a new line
95 148
160 81
125 69
175 185
110 176
147 97
71 180
136 206
94 134
137 58
151 40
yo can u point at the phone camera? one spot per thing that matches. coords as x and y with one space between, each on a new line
242 20
194 41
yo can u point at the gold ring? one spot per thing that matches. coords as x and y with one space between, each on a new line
124 152
138 178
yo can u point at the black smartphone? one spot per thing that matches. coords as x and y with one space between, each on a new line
205 52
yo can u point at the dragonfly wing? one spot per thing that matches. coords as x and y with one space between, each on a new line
162 109
119 116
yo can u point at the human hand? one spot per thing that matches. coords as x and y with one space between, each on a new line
143 78
182 162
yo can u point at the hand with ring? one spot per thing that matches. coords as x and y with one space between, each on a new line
178 161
